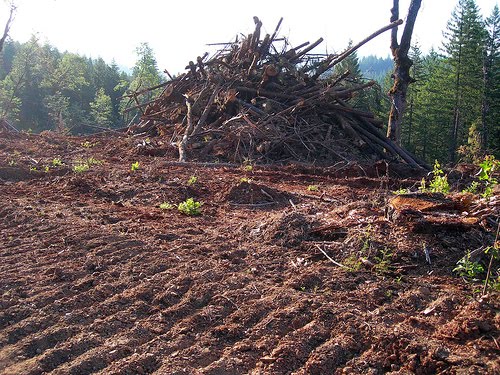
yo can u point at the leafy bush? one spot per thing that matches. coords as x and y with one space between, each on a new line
190 207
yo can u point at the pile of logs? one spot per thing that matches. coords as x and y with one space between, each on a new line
259 99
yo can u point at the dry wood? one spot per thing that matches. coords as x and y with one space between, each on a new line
255 102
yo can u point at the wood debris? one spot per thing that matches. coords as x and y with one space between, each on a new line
259 99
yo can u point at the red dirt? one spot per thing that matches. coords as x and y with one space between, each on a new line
96 278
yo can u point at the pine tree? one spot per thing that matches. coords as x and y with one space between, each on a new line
491 101
464 46
410 120
145 75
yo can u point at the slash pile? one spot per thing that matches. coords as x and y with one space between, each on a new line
262 100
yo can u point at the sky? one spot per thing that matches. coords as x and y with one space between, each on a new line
178 31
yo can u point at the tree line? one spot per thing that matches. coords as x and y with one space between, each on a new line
42 88
453 102
452 112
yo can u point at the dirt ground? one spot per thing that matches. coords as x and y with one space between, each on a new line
96 278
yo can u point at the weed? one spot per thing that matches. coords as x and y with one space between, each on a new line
56 162
353 263
439 183
33 169
312 188
190 207
244 179
192 180
248 168
87 144
383 261
81 167
84 165
401 191
135 166
92 161
468 268
46 169
166 206
488 166
473 188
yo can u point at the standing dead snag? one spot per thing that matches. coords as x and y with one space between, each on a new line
7 25
402 67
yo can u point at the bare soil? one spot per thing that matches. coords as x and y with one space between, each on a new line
96 278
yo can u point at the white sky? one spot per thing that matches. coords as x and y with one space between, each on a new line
178 31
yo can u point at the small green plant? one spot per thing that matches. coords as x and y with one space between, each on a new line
56 162
248 168
46 169
33 169
353 263
135 166
488 166
190 207
166 206
473 188
312 188
81 167
192 180
245 180
468 268
87 144
92 161
439 183
84 165
401 191
383 261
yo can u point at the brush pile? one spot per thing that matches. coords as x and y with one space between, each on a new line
262 100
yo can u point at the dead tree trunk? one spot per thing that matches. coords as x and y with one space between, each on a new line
7 25
402 62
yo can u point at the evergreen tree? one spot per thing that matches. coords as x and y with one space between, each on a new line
411 120
102 109
145 75
464 46
491 100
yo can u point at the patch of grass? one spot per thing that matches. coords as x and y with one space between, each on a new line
135 166
190 207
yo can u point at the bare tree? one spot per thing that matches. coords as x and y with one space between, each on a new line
403 63
8 24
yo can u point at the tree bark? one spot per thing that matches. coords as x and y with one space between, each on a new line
403 63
